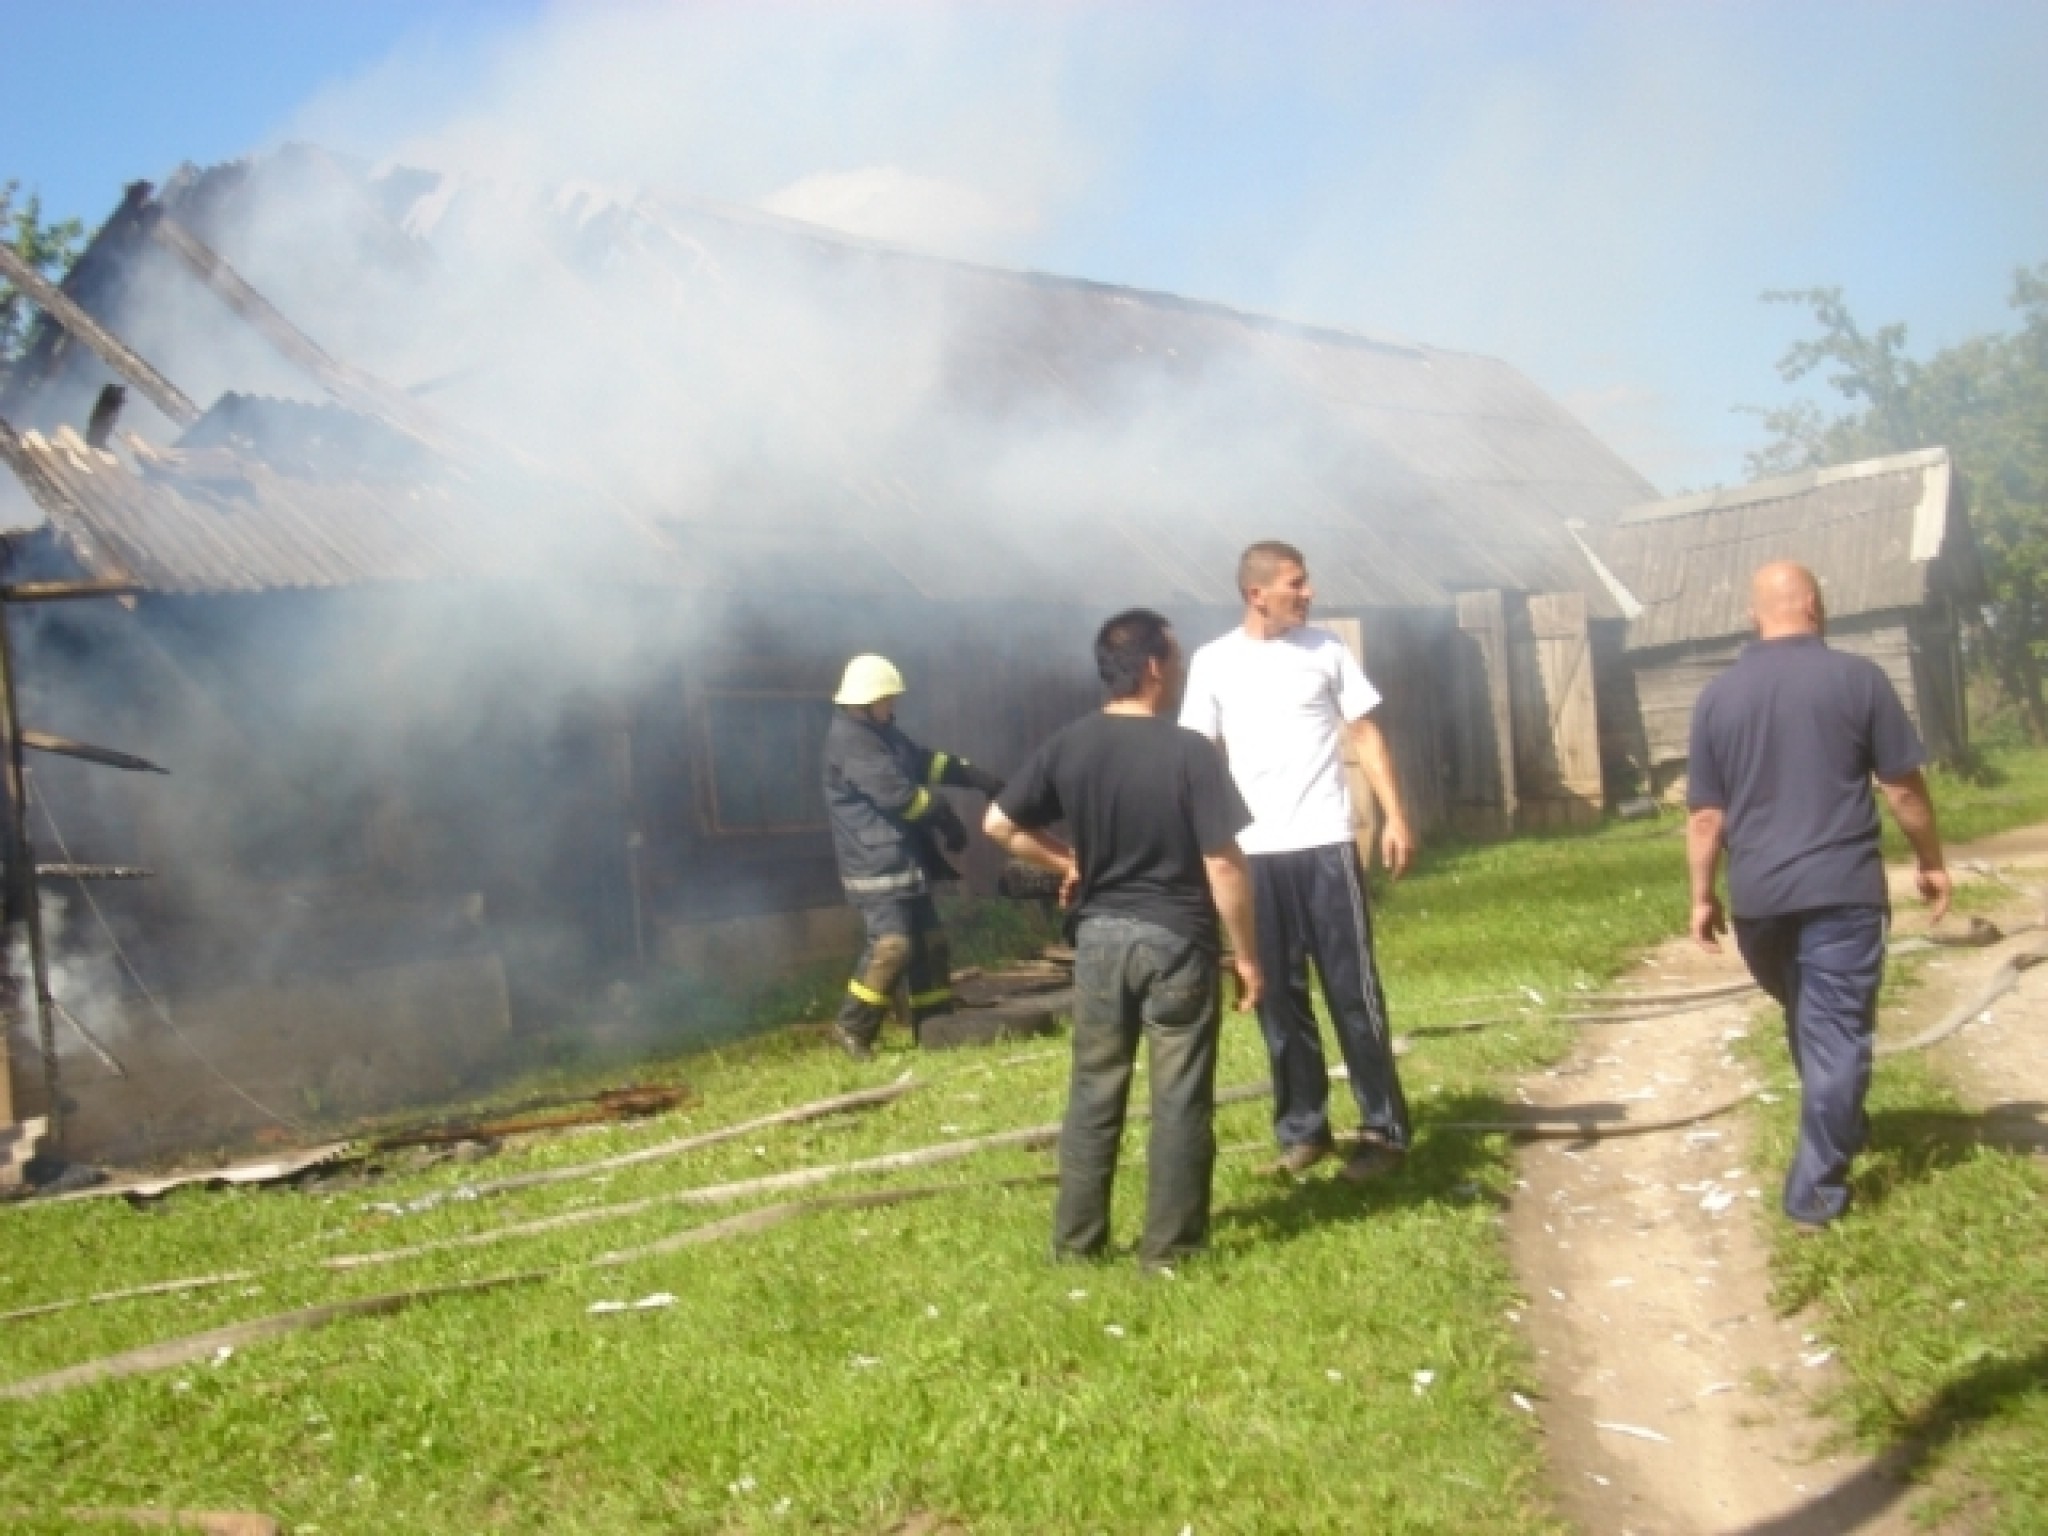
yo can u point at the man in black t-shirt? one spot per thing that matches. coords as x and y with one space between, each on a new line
1153 818
1784 746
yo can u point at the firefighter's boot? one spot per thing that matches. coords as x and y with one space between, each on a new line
867 996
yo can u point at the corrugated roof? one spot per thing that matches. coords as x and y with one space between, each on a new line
1878 534
1406 473
212 520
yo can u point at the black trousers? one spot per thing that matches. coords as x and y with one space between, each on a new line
1311 906
905 944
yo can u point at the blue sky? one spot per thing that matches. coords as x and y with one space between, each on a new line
1596 192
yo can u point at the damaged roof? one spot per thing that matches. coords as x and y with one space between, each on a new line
1881 535
1407 473
340 506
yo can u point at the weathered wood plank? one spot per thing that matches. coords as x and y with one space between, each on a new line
348 385
108 347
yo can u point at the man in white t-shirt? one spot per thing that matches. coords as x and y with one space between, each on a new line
1281 697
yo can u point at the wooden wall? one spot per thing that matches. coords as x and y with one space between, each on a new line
1917 652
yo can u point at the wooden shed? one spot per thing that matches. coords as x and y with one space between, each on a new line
1891 543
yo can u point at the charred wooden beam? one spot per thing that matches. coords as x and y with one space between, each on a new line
106 411
65 591
349 386
93 872
106 757
108 347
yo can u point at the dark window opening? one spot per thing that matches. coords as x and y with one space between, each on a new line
767 756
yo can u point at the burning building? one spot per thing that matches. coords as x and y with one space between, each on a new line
483 693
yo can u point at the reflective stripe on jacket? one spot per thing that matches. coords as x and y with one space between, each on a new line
880 788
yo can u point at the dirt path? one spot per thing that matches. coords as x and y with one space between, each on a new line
1645 1264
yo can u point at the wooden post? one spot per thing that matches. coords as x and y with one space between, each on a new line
20 912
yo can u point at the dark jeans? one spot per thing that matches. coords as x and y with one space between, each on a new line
1134 978
1824 968
905 943
1311 905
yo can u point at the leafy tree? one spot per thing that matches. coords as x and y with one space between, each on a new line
1986 400
49 248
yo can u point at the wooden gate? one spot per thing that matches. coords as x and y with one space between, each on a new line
1556 718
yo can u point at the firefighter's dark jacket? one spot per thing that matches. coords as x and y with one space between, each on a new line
880 794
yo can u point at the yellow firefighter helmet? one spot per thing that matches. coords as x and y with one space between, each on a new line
868 679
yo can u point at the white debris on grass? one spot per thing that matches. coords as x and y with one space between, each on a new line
1423 1381
1114 1330
223 1355
1633 1431
1817 1359
864 1362
1521 1402
654 1301
744 1484
1334 1375
1077 1295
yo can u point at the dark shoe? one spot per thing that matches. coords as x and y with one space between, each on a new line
1302 1156
1371 1159
855 1047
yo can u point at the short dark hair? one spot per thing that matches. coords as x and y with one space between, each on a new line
1125 643
1258 564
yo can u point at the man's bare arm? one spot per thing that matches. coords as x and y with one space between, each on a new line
1033 847
1913 809
1703 830
1230 883
1376 761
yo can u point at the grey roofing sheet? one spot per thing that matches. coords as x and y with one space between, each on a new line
212 521
1689 561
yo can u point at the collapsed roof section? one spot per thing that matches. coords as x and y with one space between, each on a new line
326 500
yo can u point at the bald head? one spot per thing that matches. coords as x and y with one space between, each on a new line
1784 599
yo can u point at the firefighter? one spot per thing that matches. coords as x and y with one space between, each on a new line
881 791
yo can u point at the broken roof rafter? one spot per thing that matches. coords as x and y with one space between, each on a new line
108 347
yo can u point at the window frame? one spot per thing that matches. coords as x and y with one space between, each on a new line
707 696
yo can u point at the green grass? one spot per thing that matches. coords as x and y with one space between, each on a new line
1269 1388
2006 787
1934 1294
852 1369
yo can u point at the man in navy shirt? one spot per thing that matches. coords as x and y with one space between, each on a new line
1784 746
